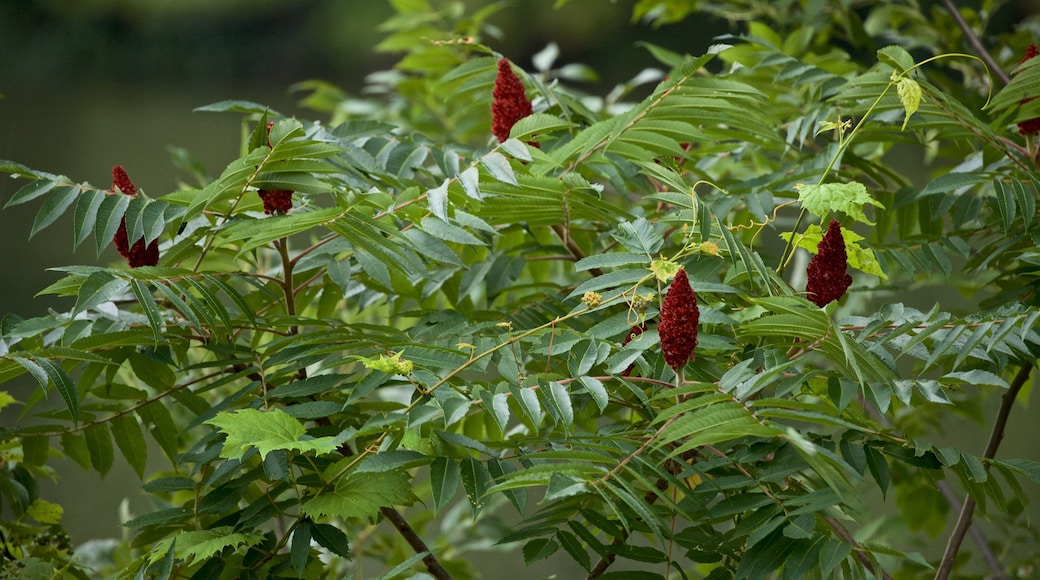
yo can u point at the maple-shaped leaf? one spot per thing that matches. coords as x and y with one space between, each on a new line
361 495
202 544
860 258
267 431
848 198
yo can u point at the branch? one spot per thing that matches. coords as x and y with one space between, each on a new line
995 437
403 527
861 555
413 539
976 534
951 498
975 43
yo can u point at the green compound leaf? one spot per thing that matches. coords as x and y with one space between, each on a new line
909 92
848 198
361 495
267 431
860 258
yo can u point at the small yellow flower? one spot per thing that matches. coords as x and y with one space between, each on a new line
710 248
592 299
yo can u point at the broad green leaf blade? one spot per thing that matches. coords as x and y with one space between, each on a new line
59 200
361 495
438 199
31 191
333 539
98 288
498 166
86 215
63 382
109 215
151 311
300 549
99 444
128 437
444 479
596 389
476 481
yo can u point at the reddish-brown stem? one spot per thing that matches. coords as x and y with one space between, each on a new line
975 43
408 533
995 437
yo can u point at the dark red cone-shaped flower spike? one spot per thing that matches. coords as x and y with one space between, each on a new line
510 103
121 183
275 200
828 277
1029 126
679 319
139 254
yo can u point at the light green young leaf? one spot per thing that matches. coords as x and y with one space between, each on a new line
361 495
202 544
848 198
860 258
267 431
45 512
909 92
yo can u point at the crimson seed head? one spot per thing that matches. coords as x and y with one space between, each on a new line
139 254
142 255
122 181
828 278
120 240
679 319
509 103
1029 126
276 200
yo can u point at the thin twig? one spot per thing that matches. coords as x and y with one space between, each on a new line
417 544
861 554
975 43
950 495
995 437
995 569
